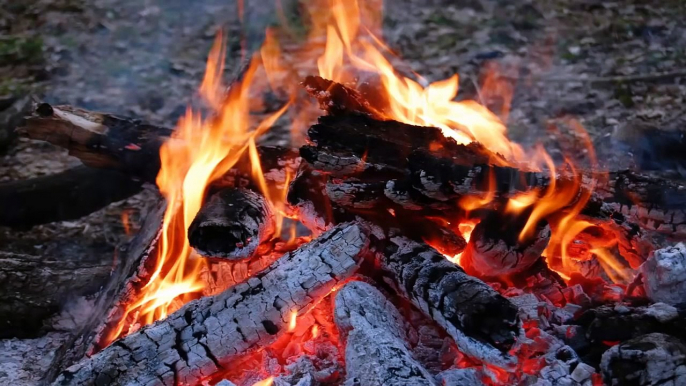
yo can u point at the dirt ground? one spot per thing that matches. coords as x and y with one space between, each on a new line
614 66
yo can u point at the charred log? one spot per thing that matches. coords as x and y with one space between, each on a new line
100 140
652 359
129 145
207 334
33 288
495 248
129 259
231 224
337 99
484 324
63 196
376 351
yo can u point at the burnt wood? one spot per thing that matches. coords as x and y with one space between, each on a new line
208 334
68 195
376 345
483 323
231 224
32 288
130 258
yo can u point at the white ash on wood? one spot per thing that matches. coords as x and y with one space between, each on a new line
231 224
376 348
652 359
664 275
482 322
208 334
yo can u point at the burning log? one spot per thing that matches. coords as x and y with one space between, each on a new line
376 350
337 99
494 248
231 224
483 323
208 334
63 196
99 140
652 359
129 145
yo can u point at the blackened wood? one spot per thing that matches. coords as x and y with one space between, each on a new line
32 288
129 258
129 145
376 344
100 140
209 333
617 323
68 195
336 99
483 323
231 224
652 359
494 247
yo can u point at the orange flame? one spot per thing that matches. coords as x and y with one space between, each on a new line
199 152
292 323
265 382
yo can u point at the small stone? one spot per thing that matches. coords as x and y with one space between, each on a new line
664 275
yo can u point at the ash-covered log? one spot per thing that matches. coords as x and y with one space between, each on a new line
376 352
209 333
652 359
494 247
483 323
231 224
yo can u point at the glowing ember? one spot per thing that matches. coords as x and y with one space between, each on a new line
265 382
292 323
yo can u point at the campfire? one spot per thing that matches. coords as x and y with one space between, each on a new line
404 239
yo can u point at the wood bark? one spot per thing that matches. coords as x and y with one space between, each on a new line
68 195
130 145
231 224
376 352
98 139
33 288
483 323
209 333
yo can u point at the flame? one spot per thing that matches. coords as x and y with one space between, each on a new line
292 323
465 228
199 152
265 382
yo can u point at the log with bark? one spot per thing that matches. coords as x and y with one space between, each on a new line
209 333
376 351
68 195
483 323
129 145
232 224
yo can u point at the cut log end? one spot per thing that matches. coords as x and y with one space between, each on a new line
231 225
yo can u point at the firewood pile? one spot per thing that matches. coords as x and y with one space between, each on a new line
370 293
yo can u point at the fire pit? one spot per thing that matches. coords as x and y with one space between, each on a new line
407 241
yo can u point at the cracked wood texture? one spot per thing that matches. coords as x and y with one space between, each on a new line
376 352
209 333
482 322
231 224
